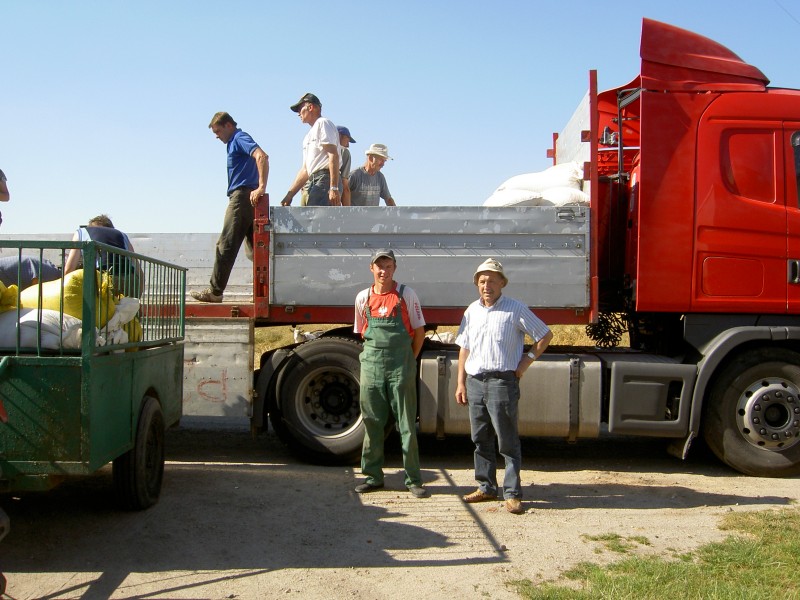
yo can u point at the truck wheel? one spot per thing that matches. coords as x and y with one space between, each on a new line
138 473
752 415
318 401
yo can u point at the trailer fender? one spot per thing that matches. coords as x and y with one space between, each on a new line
721 347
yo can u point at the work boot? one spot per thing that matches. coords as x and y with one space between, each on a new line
365 487
418 491
207 295
514 506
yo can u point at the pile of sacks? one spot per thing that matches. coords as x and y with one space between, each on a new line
116 321
560 185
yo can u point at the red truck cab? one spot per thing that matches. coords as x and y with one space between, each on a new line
710 168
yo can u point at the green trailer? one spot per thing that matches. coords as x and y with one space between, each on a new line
78 393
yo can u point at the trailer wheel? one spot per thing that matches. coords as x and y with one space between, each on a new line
752 415
318 401
139 472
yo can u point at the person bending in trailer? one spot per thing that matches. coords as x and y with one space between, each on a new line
389 318
127 272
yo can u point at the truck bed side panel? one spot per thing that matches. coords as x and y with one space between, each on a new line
320 256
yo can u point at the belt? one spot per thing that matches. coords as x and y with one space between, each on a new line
247 188
319 175
507 375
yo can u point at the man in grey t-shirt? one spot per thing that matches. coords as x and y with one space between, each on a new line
367 183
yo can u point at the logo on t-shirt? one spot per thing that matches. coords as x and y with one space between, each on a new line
383 311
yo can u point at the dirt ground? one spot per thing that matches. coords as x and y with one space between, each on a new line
242 518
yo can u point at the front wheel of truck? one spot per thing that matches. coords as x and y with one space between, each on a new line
318 410
752 415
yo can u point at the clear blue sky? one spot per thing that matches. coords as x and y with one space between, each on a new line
106 104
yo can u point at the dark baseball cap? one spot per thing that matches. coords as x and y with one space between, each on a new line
306 98
345 131
382 253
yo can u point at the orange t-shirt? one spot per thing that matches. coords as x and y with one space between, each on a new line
382 305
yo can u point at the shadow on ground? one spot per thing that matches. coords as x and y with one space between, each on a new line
234 502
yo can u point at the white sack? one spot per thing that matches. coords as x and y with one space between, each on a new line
446 337
64 333
568 174
562 196
125 311
55 333
514 198
112 333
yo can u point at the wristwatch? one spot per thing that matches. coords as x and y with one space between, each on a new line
335 188
531 355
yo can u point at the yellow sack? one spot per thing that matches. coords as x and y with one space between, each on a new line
135 333
8 297
73 296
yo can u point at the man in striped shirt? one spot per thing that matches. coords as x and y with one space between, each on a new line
490 364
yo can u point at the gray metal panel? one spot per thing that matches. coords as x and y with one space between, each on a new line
218 367
455 417
196 252
568 145
321 255
544 408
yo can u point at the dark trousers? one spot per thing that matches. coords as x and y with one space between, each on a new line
237 227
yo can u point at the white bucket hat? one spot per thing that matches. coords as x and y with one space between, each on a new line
379 150
490 264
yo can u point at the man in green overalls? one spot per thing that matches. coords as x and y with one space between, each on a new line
389 317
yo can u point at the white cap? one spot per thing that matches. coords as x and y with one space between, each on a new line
379 150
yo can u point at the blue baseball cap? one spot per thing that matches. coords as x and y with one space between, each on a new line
345 131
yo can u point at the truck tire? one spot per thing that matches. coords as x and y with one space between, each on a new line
752 414
318 410
139 472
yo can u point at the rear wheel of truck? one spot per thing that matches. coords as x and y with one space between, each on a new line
318 410
139 472
752 415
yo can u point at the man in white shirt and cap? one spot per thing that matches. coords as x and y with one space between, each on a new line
320 156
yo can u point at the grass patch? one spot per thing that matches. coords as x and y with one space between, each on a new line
761 559
269 338
618 543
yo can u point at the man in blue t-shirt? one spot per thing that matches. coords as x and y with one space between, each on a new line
248 168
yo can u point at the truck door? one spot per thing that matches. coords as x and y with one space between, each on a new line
791 147
740 256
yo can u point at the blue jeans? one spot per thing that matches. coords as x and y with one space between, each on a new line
493 413
319 186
